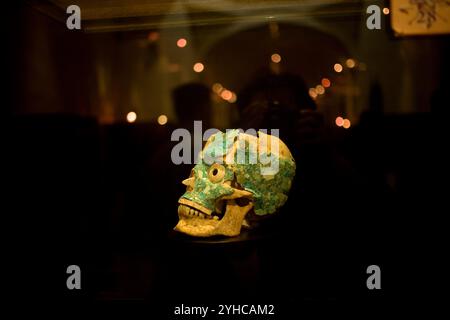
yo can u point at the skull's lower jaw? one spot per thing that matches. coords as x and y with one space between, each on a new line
198 226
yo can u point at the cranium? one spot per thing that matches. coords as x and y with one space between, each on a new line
237 175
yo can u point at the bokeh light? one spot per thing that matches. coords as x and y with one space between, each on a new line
198 67
131 117
153 36
339 121
350 63
233 98
181 43
276 58
338 67
162 119
386 11
320 89
313 93
226 95
326 83
217 88
346 124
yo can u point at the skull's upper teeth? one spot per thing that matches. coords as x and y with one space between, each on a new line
191 212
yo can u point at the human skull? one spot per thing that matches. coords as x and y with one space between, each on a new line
237 175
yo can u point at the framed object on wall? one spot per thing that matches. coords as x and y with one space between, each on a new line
420 17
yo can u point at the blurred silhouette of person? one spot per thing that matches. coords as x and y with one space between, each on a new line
283 102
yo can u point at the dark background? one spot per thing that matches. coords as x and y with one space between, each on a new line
83 186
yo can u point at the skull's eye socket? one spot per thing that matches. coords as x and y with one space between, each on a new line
216 172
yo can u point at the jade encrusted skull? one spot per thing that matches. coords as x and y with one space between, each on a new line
237 176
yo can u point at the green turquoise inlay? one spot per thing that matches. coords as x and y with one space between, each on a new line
269 192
